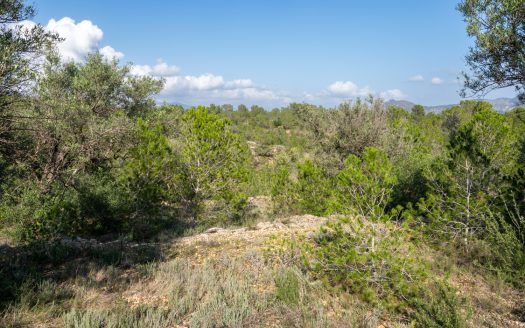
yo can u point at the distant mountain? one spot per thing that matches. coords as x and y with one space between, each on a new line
498 104
405 104
505 104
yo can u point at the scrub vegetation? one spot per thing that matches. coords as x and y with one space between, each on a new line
118 211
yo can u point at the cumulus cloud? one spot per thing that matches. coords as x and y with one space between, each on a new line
109 53
206 87
348 89
436 81
417 78
161 69
79 38
216 87
395 94
342 89
194 83
242 83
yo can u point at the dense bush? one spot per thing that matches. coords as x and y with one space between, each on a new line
85 151
216 162
152 173
440 306
313 189
373 260
365 185
381 265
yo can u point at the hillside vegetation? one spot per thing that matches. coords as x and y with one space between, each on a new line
117 211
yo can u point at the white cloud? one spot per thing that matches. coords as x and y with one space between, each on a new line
395 94
79 38
348 89
206 87
436 81
161 69
242 83
216 88
198 83
417 78
109 53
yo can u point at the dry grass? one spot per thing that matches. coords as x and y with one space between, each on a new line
223 279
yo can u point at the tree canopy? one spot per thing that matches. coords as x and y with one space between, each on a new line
497 59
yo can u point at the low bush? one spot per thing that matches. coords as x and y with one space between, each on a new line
92 205
287 284
380 264
441 307
373 260
364 186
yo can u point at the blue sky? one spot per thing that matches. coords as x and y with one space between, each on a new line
273 52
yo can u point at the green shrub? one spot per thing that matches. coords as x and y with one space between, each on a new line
365 184
375 261
287 284
313 189
31 215
152 175
284 199
216 161
442 307
92 205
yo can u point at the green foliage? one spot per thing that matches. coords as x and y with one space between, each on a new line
284 197
503 249
19 46
61 183
365 185
152 174
480 155
84 126
216 161
347 130
418 111
374 261
471 192
300 188
380 264
496 60
94 206
442 307
313 189
287 284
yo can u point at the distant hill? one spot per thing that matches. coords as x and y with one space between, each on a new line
499 104
405 104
